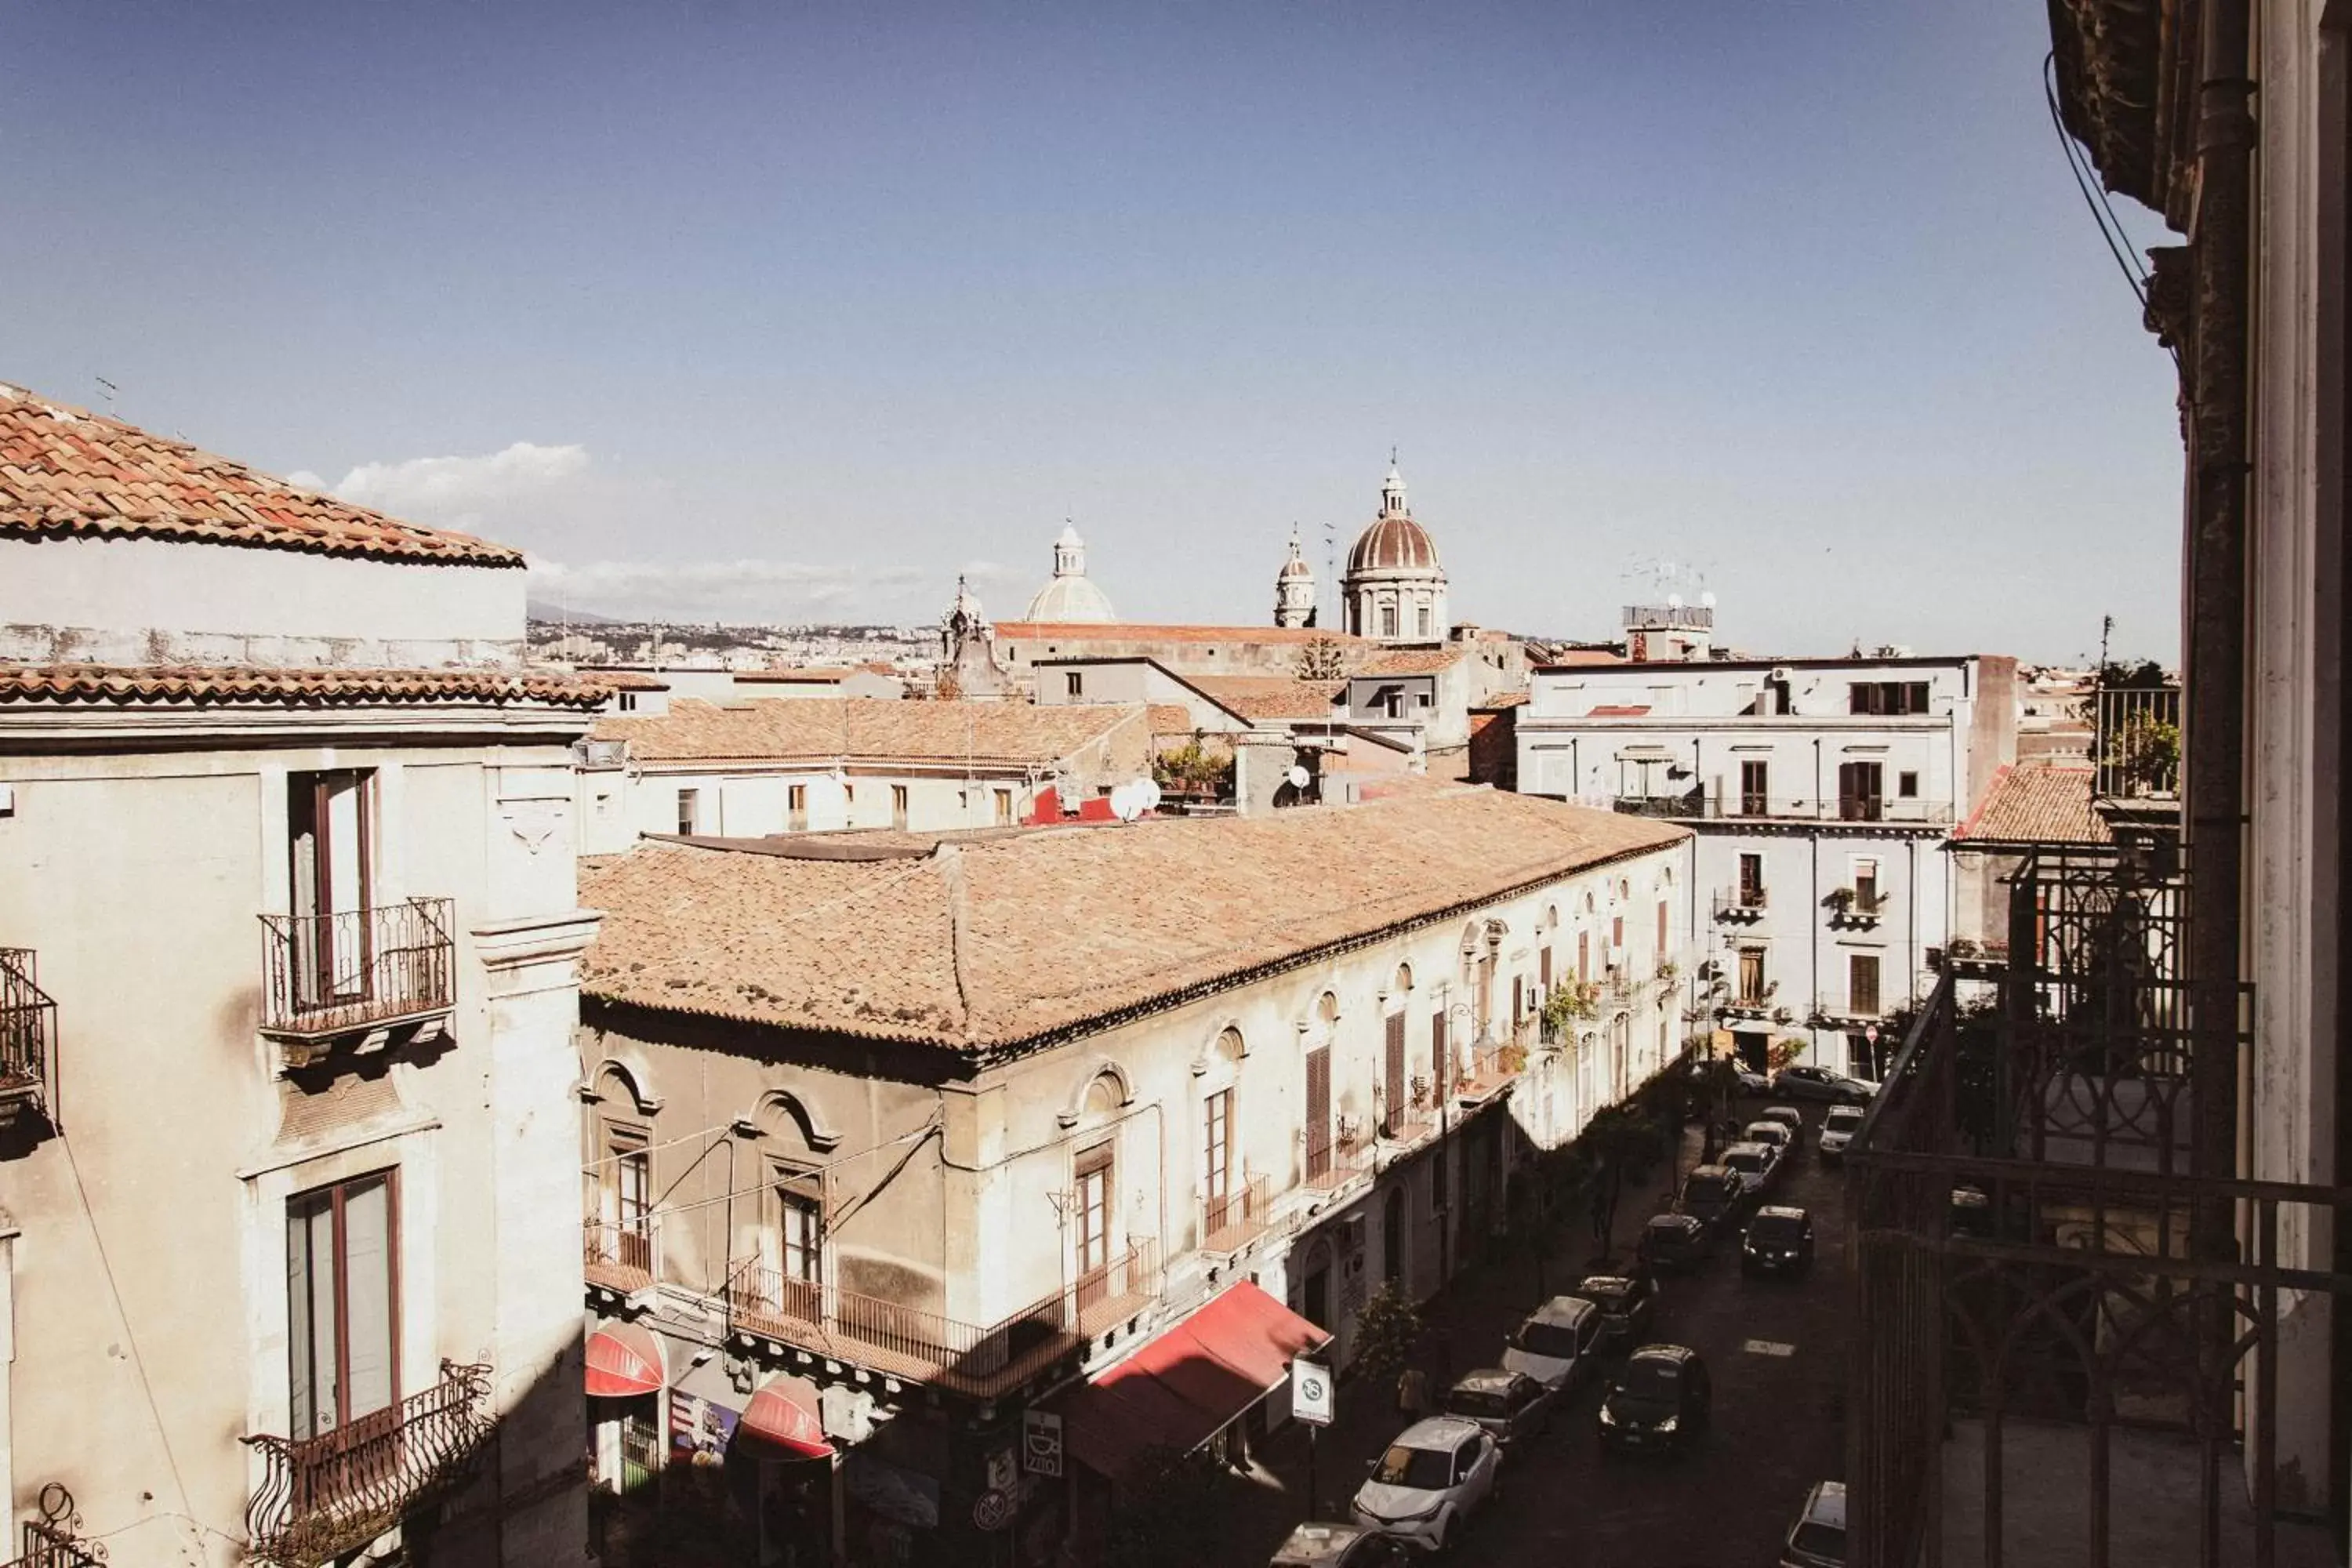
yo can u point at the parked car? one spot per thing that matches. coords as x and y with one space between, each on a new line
1754 1165
1557 1342
1790 1117
1773 1135
1818 1538
1839 1124
1660 1400
1626 1303
1752 1081
1715 1194
1510 1404
1431 1479
1820 1083
1780 1240
1339 1546
1675 1243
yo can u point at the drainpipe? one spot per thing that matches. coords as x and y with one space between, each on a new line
1813 931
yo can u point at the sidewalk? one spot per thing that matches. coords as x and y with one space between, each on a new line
1467 1322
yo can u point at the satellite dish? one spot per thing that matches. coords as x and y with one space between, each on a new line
1126 803
1298 776
1673 601
1147 790
1707 598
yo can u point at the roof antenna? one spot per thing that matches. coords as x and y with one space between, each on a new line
107 389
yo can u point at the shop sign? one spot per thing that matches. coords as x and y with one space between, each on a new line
699 1429
1041 1443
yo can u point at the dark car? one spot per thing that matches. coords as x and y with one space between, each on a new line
1626 1301
1510 1404
1715 1195
1820 1083
1339 1546
1780 1240
1818 1538
1675 1243
1659 1401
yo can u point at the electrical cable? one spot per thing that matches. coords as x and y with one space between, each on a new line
2094 196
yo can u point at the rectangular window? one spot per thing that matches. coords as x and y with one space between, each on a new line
1318 1111
1420 699
1616 933
1398 1095
1662 930
690 811
628 1197
898 805
1217 1146
1891 698
1543 971
343 1313
1906 785
1074 683
1751 881
1584 955
1394 704
1865 885
796 808
1861 788
1004 809
1751 976
800 1227
1754 789
1094 1190
1423 621
629 701
1862 984
1388 620
330 830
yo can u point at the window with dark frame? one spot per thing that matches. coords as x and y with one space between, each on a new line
1388 620
331 860
1755 788
1862 984
1751 881
1217 1147
1862 789
342 1304
797 807
1093 1178
898 805
689 812
1751 974
1074 683
1865 885
1906 785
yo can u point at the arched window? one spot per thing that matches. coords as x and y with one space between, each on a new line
1403 982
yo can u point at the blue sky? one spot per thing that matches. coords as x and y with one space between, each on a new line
728 309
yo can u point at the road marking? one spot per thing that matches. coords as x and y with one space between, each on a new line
1768 1347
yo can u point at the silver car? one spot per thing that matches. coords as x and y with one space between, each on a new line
1435 1475
1839 1124
1818 1538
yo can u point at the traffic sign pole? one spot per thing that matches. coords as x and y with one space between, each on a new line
1311 1510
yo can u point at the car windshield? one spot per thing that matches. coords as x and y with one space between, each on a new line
1844 1119
1650 1381
1706 1189
1476 1402
1556 1342
1423 1469
1820 1539
1744 1162
1606 1293
1667 1231
1778 1229
1767 1133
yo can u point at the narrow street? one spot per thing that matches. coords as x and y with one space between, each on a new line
1776 1350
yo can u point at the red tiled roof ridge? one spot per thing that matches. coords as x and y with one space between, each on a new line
212 686
66 473
2037 802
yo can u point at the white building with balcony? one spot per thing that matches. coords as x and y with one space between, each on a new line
1822 792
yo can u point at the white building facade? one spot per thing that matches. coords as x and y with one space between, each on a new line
1822 791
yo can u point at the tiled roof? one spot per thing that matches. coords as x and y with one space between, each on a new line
1500 699
1414 661
1269 696
66 473
991 943
2036 804
1575 658
632 680
1171 719
1619 709
813 675
1140 631
214 686
869 727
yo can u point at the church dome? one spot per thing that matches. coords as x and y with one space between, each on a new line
1393 544
1068 596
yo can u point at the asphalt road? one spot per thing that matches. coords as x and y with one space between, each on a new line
1777 1352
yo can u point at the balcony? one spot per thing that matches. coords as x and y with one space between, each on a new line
1234 1220
620 1259
1333 1159
326 975
2135 742
1490 1070
1740 906
29 1041
1697 805
53 1537
323 1496
765 1309
1856 911
1414 1119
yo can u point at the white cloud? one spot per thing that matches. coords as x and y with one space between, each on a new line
461 491
741 590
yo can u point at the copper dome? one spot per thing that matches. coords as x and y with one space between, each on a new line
1394 543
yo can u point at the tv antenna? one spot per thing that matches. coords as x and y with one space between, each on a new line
107 390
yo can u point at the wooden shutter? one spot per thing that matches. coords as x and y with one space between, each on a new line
1397 1090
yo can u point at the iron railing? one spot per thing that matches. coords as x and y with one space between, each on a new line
2052 1257
325 974
2135 741
323 1496
28 1037
1335 1157
1668 617
1741 904
54 1537
765 1306
620 1255
1902 810
1232 1220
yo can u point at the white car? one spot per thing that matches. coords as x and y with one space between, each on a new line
1557 1342
1773 1135
1839 1124
1753 1163
1430 1481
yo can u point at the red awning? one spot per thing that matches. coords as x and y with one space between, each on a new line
784 1415
624 1359
1189 1382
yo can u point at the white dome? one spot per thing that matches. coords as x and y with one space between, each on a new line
1071 598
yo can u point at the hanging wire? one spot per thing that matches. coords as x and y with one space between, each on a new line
2094 194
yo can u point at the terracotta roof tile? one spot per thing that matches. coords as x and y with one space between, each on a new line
1269 696
1414 661
220 686
66 473
1500 699
2036 804
869 727
985 943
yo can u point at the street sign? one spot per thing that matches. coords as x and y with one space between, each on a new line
1310 1393
992 1510
1003 1475
1041 1442
1870 1034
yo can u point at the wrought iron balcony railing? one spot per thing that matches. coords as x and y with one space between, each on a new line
29 1040
1335 1157
764 1307
1741 904
54 1538
621 1258
1903 810
1232 1220
2135 741
323 1496
332 973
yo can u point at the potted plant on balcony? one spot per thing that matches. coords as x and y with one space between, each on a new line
1841 901
1570 1002
1669 970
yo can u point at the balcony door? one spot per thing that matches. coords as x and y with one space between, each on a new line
1398 1094
791 1246
342 1318
330 825
1094 1185
1751 881
1318 1111
627 1201
1755 788
1862 789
